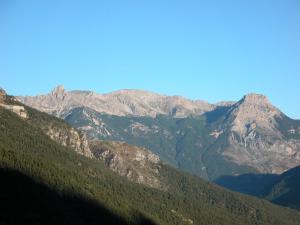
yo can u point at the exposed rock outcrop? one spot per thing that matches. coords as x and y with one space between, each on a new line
70 138
137 164
17 109
10 104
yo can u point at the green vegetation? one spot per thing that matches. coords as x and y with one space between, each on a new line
33 161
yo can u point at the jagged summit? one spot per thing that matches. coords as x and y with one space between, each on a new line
58 88
58 91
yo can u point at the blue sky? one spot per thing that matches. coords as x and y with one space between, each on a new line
211 50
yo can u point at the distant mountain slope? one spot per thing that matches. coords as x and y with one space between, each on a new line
254 133
93 194
215 144
283 189
230 138
181 142
251 183
257 134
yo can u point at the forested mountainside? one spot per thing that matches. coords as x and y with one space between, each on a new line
83 190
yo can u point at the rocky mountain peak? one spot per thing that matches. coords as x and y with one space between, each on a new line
255 99
256 105
254 112
58 92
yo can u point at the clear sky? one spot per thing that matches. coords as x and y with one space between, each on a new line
211 50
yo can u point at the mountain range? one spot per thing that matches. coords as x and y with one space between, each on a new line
51 174
120 103
208 140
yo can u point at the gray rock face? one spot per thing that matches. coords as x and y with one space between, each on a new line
71 138
123 102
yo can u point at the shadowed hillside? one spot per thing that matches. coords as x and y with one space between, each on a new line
24 201
251 184
283 189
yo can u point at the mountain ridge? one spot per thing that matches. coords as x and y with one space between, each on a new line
250 135
60 93
120 102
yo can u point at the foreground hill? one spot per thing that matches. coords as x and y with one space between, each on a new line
229 138
47 183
